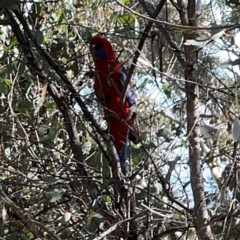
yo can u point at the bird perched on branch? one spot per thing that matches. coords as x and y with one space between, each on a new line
108 84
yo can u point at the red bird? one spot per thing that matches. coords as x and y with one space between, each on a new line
108 85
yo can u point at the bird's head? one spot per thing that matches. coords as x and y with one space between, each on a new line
102 48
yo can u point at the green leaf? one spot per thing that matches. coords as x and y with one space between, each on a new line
126 19
125 2
51 105
25 190
65 30
184 144
166 90
9 4
3 87
135 146
136 160
8 82
29 234
107 198
59 14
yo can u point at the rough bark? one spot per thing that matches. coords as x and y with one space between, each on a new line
193 132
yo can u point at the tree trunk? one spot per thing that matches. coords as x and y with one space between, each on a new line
193 132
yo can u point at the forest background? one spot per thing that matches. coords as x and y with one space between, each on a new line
58 168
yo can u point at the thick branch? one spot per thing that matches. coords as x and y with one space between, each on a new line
193 130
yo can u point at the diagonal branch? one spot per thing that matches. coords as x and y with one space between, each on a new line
166 34
60 76
140 46
37 69
36 228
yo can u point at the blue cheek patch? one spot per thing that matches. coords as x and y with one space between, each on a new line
100 53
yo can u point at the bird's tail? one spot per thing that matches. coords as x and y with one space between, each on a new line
122 158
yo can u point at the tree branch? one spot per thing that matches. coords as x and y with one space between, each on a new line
37 69
140 46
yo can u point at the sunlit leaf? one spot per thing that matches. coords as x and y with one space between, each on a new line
66 217
25 190
184 143
59 14
107 198
136 160
135 146
126 19
57 194
8 82
125 2
166 90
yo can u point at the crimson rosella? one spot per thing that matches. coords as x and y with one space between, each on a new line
108 84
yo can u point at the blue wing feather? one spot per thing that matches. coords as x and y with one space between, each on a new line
122 158
129 94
